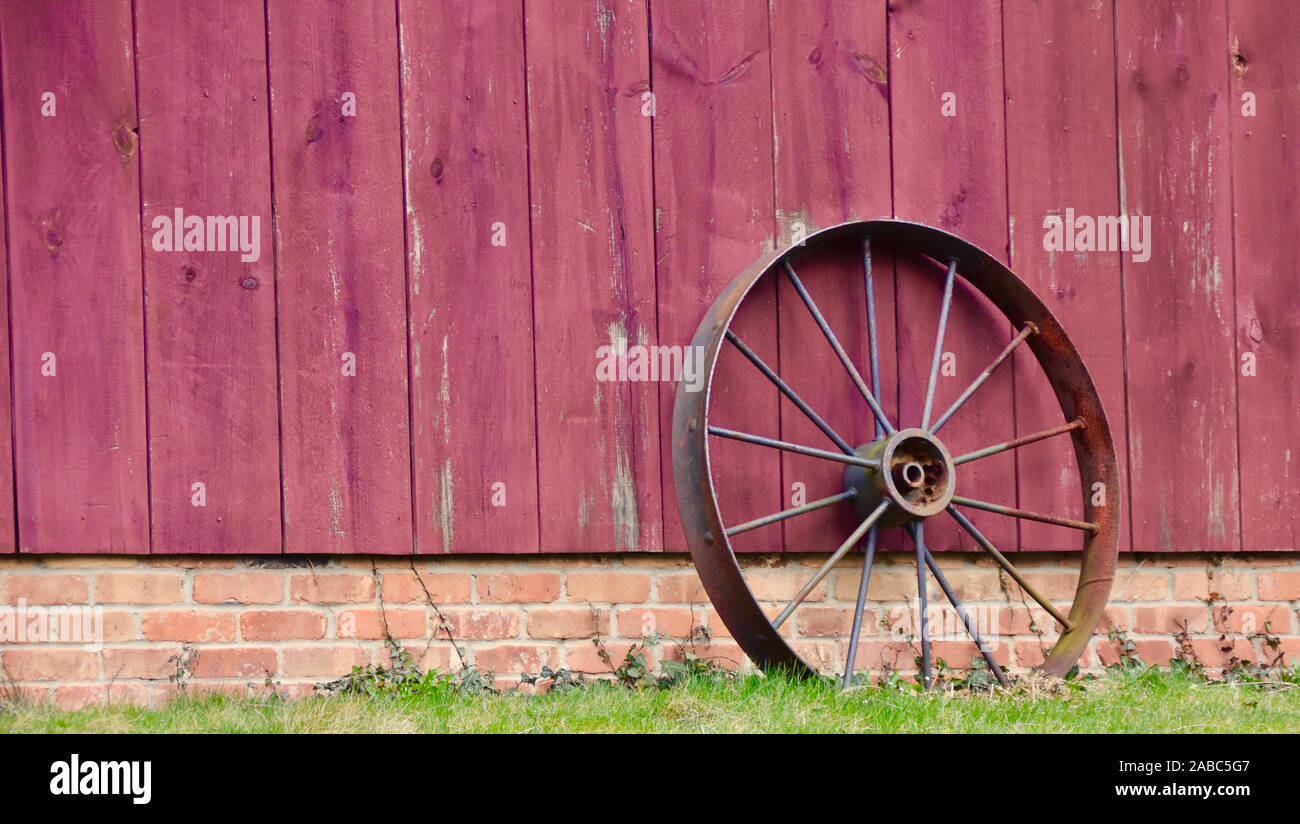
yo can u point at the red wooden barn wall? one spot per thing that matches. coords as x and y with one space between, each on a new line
409 364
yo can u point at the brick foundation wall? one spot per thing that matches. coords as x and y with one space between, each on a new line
238 623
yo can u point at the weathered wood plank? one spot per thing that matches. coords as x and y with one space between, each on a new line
1062 154
593 254
210 315
1266 198
830 96
73 213
950 172
466 166
341 279
1179 303
713 217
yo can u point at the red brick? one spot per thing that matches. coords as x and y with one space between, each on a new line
448 588
586 658
119 626
636 622
1279 586
282 625
77 696
824 656
719 630
782 586
886 585
829 622
439 657
1149 651
1030 653
240 588
1164 619
137 588
608 587
1274 619
976 584
1021 621
533 588
509 659
1141 586
44 589
1219 653
332 588
566 622
193 625
491 623
140 662
683 588
50 665
401 622
1054 586
1229 586
959 654
323 662
722 653
242 662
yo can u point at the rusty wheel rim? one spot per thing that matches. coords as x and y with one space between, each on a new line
902 478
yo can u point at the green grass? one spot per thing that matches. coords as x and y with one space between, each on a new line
1118 702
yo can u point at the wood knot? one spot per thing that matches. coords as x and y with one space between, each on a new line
125 139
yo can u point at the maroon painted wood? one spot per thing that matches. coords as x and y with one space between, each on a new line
1175 169
950 172
1266 191
472 382
830 95
341 278
73 204
713 217
210 315
8 511
1062 154
594 282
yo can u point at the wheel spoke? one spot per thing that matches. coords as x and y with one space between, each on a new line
861 605
965 619
918 538
848 544
1077 423
1028 516
839 349
869 286
1009 567
789 393
810 451
938 342
1028 330
790 513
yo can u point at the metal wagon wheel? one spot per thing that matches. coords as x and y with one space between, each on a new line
904 476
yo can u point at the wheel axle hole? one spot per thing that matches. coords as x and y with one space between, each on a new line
913 474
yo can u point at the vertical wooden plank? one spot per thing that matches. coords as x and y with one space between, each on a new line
8 511
1062 154
949 171
830 98
205 152
713 217
466 167
73 213
593 252
1266 199
1178 304
341 277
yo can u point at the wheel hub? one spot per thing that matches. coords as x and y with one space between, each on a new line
916 475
